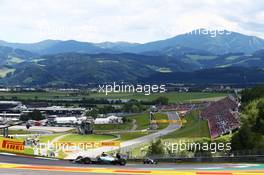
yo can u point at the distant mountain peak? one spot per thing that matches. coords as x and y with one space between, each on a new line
215 41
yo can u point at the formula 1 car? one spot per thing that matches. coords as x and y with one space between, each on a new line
149 161
102 159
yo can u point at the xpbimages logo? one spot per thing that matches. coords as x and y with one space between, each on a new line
213 147
147 89
210 32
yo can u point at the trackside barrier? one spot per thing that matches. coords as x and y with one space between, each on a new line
241 159
12 145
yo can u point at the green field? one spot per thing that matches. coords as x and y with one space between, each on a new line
131 135
161 116
201 57
37 95
45 139
14 132
142 121
15 60
86 138
174 97
194 128
233 57
103 127
4 71
164 70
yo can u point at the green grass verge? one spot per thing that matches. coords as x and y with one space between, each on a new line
131 135
86 138
142 120
161 116
46 138
194 128
111 127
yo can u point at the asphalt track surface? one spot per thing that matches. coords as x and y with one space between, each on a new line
21 165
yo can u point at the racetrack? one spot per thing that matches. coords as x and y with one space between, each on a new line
18 165
132 143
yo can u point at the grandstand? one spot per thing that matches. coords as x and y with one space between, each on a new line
222 116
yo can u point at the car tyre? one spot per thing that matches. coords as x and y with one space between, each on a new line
87 160
122 162
79 159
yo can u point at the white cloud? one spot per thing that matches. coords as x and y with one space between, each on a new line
124 20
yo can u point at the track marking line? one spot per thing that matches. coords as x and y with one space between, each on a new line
46 158
7 154
214 173
126 171
133 171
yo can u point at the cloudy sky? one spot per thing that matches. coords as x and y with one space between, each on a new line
124 20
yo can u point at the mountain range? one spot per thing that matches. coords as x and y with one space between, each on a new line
220 43
190 56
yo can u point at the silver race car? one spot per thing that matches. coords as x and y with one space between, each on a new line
104 158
